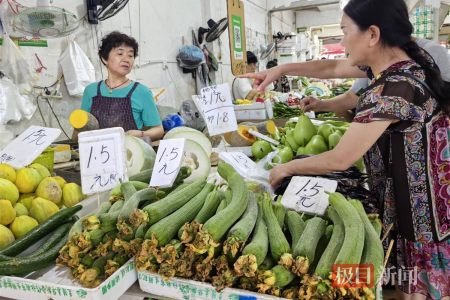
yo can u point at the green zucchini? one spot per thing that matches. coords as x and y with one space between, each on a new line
52 240
373 252
133 203
353 246
324 267
296 226
209 208
40 231
280 211
162 208
143 176
278 243
168 227
218 225
240 232
25 265
305 250
222 206
138 185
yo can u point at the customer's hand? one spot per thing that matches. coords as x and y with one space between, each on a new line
264 78
311 104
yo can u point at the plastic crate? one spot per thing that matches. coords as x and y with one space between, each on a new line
46 158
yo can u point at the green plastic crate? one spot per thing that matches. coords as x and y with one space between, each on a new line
46 158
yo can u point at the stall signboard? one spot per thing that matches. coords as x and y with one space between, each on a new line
168 162
218 109
23 150
308 194
236 31
102 159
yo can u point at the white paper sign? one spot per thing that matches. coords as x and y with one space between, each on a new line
240 162
307 194
102 159
168 162
218 109
23 150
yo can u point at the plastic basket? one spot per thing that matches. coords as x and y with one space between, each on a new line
46 158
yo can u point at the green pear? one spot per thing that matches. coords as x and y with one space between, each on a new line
290 140
317 145
285 154
360 164
326 130
261 148
333 140
304 131
301 151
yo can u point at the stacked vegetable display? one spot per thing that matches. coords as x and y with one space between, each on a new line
303 138
240 239
29 196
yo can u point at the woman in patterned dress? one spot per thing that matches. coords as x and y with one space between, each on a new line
402 128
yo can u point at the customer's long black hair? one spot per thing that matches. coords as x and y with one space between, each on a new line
391 17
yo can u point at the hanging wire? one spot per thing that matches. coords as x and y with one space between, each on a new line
174 83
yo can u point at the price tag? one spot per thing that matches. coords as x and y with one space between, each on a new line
307 194
168 162
23 150
218 109
102 159
240 162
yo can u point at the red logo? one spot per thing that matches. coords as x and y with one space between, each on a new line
352 276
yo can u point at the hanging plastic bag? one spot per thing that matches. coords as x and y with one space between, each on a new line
172 121
77 68
26 106
190 57
16 66
257 178
9 97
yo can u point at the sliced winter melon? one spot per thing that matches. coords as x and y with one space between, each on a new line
190 134
140 155
195 157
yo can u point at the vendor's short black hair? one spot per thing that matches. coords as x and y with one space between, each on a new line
271 64
113 40
251 58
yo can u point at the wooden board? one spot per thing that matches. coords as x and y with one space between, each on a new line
236 27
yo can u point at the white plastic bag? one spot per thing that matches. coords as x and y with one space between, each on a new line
77 68
9 95
259 175
16 66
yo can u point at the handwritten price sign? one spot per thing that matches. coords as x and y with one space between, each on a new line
168 162
28 146
102 159
307 194
241 162
218 109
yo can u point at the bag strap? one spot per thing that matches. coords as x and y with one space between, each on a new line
406 74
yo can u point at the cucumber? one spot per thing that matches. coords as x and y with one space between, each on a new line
25 265
218 225
305 250
52 240
168 227
40 231
240 232
324 267
296 226
162 208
